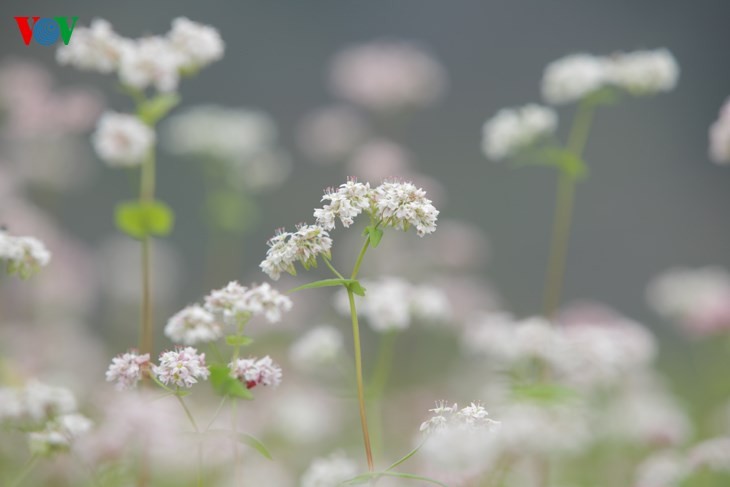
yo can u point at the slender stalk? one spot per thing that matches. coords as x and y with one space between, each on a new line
200 444
358 372
564 210
332 268
379 382
146 194
27 468
234 427
360 257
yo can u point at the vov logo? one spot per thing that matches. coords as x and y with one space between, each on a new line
46 30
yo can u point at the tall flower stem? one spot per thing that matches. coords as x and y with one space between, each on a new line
379 382
147 194
27 468
564 210
198 432
358 360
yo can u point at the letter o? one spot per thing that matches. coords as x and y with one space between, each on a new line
46 31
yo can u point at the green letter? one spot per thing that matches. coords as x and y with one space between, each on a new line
66 31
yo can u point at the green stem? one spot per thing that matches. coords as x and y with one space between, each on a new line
332 268
358 371
378 384
360 257
200 444
564 211
27 468
146 194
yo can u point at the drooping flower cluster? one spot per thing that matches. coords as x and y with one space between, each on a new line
23 256
193 324
576 76
392 303
127 369
47 413
512 130
253 372
182 367
387 76
149 61
720 136
698 299
393 204
122 140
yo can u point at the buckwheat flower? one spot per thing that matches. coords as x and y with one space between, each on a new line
329 471
476 416
402 205
41 401
713 454
198 44
94 48
267 301
442 414
387 76
720 136
127 369
59 433
346 202
23 256
253 372
512 130
663 469
151 61
644 72
280 256
320 347
182 367
122 140
698 299
573 77
309 242
194 324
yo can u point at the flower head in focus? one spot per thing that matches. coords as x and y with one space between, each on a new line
182 367
234 304
402 205
122 140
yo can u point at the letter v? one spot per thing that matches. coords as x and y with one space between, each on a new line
25 29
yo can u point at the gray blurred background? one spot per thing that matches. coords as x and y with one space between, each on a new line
653 199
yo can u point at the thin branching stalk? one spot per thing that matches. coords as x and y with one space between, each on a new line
198 435
564 210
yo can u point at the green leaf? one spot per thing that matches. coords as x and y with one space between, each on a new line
142 219
543 393
225 385
405 458
324 283
238 340
375 234
152 111
356 288
256 444
367 477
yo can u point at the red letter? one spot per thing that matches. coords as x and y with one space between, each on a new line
25 29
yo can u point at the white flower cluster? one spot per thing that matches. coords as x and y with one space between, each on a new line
585 355
576 76
720 136
193 324
232 306
319 347
49 415
387 76
514 129
303 246
253 372
394 203
446 415
23 256
235 303
699 299
392 304
149 61
181 368
122 140
127 369
329 471
670 468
